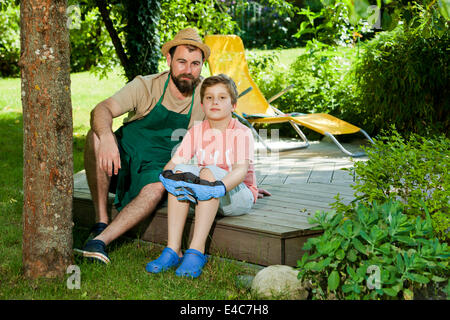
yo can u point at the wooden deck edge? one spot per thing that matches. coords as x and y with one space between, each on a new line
225 239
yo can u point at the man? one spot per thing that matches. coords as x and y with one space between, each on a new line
128 162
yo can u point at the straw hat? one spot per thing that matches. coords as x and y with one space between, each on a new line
186 36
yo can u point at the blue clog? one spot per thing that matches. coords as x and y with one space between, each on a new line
192 264
166 260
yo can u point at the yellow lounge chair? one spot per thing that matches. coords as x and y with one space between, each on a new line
228 57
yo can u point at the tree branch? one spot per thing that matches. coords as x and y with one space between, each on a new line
101 4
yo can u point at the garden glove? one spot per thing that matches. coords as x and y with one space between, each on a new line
190 185
186 194
171 185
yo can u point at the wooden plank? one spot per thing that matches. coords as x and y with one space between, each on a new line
274 179
287 210
299 174
298 216
292 202
314 201
294 247
246 222
297 194
252 247
314 188
341 176
262 204
290 220
300 211
259 178
321 173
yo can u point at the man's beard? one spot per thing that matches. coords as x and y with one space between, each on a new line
186 87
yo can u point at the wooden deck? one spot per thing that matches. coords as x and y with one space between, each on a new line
301 182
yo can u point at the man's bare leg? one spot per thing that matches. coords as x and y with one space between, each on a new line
137 210
98 180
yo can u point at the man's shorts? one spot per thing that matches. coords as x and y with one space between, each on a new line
236 202
113 183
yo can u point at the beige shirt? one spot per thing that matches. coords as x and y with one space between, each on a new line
139 96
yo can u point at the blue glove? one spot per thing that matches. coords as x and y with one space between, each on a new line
186 195
203 192
191 187
170 184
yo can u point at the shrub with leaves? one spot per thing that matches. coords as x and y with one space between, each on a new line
378 254
413 171
9 39
402 78
320 77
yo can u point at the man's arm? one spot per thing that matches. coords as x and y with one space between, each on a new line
102 116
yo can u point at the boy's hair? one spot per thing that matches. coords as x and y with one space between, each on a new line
220 79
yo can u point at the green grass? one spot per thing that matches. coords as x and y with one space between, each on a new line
285 57
125 278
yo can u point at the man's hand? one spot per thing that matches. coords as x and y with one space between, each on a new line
108 154
262 193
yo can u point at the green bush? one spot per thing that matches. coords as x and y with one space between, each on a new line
91 46
319 79
9 41
379 253
322 79
413 171
317 76
264 23
204 15
402 78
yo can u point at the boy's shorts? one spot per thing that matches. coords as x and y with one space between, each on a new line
237 201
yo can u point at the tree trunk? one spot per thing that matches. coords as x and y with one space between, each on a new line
47 145
141 37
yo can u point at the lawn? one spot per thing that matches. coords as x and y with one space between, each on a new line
125 277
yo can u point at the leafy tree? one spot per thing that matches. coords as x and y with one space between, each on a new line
9 38
141 18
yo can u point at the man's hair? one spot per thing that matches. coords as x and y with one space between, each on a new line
220 79
190 48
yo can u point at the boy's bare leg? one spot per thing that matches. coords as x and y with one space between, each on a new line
133 213
177 212
205 212
98 180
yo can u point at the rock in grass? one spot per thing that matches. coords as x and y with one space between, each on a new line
279 282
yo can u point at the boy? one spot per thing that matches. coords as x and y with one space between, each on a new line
224 151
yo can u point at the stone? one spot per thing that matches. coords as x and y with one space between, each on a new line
279 282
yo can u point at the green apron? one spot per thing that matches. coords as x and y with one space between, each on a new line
145 148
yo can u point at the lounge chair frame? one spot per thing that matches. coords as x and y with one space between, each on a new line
318 122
